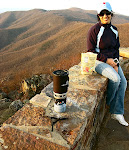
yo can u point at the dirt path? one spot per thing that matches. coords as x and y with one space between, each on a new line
114 136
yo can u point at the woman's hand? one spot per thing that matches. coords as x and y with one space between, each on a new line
116 68
111 62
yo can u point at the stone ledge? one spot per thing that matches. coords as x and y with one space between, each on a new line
30 127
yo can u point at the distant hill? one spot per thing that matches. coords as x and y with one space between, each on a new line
88 16
40 41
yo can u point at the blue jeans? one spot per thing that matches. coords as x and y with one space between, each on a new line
116 86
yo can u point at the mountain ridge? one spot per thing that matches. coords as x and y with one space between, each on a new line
40 41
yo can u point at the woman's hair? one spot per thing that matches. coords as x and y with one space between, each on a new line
99 18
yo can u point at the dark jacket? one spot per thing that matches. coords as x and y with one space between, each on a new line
106 35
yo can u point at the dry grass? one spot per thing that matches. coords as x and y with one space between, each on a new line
123 34
13 82
37 41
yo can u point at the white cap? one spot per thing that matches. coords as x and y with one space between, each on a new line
104 6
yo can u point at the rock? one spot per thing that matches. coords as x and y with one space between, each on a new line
3 95
7 100
4 105
16 105
13 95
25 101
5 114
34 85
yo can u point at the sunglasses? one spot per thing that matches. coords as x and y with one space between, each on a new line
107 13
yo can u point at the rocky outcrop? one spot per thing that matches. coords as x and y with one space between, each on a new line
14 100
35 84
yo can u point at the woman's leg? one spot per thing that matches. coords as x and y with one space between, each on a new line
116 87
117 103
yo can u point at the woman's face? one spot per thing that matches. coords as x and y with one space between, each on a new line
105 17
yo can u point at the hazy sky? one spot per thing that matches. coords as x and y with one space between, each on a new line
118 6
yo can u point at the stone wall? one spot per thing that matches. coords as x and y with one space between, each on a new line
76 129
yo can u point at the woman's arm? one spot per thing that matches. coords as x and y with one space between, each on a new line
92 42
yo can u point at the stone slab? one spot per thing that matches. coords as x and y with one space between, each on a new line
89 82
124 52
41 100
19 139
31 119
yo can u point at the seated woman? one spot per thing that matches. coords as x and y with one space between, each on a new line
103 39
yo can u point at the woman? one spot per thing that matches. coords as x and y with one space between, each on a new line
103 39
